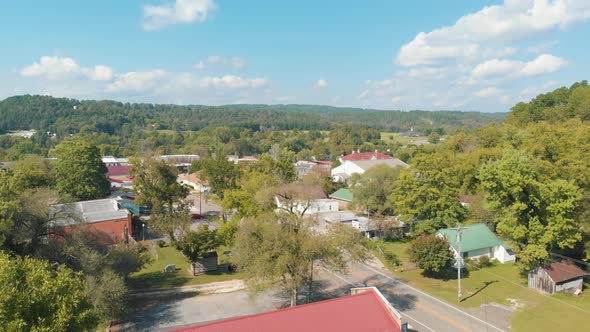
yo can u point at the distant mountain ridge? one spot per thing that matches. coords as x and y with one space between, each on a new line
67 115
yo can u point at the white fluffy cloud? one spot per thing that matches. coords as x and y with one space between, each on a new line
488 92
321 83
180 11
65 77
481 34
544 63
220 62
137 81
55 68
160 82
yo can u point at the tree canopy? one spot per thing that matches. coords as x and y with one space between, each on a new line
36 296
79 171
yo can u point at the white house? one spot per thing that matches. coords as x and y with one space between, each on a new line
308 207
305 200
476 241
349 167
194 181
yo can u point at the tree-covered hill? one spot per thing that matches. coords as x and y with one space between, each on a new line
67 116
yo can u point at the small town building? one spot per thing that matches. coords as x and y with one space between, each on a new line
304 167
304 199
119 176
412 133
208 263
343 172
356 156
236 159
366 309
104 215
476 241
194 181
564 276
343 196
115 161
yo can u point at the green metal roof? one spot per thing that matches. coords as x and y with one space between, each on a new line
342 194
473 237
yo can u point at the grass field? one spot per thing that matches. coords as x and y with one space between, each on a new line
151 276
500 284
388 138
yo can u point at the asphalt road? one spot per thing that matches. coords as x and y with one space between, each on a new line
423 311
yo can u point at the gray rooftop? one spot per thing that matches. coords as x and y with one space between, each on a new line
86 212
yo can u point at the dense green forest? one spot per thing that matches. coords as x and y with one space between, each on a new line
124 129
66 116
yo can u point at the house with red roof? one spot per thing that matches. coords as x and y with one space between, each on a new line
365 310
356 156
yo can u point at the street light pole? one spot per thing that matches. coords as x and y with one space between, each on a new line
459 263
143 227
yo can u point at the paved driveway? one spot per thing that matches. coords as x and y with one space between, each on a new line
164 313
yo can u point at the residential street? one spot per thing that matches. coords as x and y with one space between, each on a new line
422 311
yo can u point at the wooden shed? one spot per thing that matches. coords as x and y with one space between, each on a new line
557 277
206 264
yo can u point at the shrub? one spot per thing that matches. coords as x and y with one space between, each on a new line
484 261
431 253
161 243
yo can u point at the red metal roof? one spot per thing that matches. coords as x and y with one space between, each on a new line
118 170
563 271
366 156
354 313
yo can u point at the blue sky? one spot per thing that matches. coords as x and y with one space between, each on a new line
466 55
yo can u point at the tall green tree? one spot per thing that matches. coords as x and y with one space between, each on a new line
194 245
36 296
79 171
221 173
10 206
427 193
280 249
156 187
371 190
537 214
31 172
254 196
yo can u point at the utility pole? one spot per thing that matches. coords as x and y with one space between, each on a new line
310 283
460 262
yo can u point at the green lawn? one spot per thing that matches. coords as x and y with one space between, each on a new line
151 276
499 284
389 137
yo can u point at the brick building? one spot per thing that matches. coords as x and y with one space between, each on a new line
104 215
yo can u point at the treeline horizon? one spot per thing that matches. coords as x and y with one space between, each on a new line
65 116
